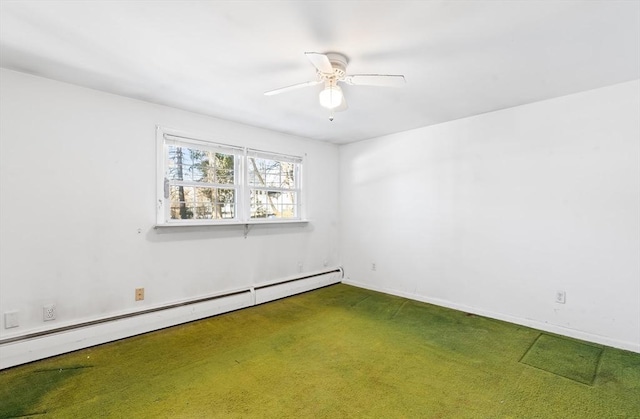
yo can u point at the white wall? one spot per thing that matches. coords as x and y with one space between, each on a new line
491 214
495 213
77 181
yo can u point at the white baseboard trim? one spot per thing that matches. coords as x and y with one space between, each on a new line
577 334
31 347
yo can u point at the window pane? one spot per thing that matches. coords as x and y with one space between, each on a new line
194 165
273 204
271 173
190 202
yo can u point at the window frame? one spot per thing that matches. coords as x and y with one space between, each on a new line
241 186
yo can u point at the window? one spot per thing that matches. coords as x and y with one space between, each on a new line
202 182
273 183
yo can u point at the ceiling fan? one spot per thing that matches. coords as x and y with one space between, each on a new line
331 69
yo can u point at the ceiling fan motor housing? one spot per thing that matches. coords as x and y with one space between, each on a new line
339 63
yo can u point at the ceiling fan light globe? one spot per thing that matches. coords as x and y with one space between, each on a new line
331 97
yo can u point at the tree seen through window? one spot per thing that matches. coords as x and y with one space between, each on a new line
200 177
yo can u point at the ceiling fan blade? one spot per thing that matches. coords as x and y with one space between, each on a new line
387 80
320 61
292 87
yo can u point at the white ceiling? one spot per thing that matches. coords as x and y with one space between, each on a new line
460 58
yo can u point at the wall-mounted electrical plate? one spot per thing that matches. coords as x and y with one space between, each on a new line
561 297
373 266
139 294
49 312
11 319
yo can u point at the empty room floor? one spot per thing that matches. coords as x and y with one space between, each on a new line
335 352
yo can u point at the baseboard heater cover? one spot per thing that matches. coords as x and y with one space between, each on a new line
43 344
286 288
118 317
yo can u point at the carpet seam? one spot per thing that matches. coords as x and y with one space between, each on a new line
528 349
400 308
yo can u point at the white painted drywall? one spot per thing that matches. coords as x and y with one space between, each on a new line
495 213
77 181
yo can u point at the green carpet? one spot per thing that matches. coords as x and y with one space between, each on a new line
337 352
566 357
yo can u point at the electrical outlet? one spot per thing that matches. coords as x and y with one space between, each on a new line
139 294
561 297
49 312
11 319
373 266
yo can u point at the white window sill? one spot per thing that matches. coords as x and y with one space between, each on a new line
230 223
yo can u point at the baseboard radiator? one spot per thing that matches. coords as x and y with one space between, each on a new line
16 350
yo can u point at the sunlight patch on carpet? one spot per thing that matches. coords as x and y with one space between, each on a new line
574 360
